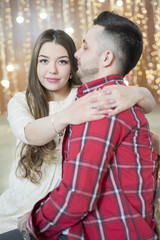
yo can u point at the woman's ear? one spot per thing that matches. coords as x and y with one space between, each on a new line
108 58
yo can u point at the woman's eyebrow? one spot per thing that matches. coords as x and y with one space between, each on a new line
43 56
63 57
48 57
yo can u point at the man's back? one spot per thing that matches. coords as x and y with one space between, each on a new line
115 156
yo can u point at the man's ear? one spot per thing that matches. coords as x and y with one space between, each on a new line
108 58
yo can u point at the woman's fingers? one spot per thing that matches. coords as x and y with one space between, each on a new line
109 100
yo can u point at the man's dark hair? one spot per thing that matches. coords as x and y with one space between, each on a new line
127 36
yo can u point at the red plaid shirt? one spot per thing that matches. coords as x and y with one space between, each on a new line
108 182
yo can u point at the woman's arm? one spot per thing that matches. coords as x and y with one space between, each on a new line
43 130
92 106
146 100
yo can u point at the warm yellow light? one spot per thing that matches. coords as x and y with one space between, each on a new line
140 73
5 83
158 66
10 67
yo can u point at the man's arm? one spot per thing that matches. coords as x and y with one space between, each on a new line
76 196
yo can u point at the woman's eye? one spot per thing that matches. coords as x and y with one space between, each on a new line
63 61
44 61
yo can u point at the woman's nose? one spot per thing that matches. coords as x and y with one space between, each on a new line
52 68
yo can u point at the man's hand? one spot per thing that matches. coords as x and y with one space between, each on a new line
23 225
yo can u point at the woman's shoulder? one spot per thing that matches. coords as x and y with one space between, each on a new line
18 101
18 97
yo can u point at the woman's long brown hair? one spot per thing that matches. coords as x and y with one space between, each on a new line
32 157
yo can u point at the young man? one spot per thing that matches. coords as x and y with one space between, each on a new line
109 165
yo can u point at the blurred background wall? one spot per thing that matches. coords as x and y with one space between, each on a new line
17 36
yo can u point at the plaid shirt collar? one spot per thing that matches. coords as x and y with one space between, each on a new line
98 83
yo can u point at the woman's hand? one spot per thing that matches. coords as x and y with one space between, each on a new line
120 98
110 100
93 106
87 108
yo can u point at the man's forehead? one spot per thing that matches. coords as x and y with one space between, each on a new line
94 31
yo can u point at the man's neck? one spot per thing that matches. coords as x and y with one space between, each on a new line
101 74
91 78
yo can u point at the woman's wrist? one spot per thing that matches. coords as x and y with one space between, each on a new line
53 124
58 123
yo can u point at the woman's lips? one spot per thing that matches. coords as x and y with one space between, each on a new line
52 80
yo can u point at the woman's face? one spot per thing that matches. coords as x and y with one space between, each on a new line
53 68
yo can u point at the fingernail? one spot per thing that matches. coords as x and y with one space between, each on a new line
108 92
111 100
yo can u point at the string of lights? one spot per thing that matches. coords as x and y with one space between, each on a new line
22 21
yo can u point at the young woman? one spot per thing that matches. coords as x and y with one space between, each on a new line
38 118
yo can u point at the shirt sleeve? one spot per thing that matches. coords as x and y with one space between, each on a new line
19 115
90 148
